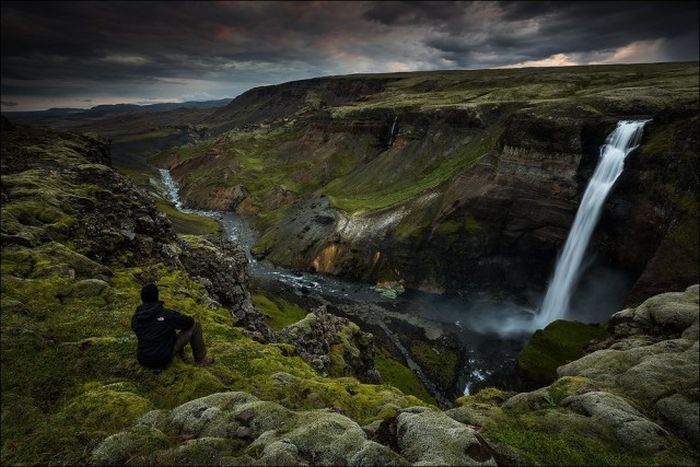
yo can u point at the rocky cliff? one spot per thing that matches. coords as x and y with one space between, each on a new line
78 242
383 177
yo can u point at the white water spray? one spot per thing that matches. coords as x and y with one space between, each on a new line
171 188
619 144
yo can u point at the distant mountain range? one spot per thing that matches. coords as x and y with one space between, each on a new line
104 110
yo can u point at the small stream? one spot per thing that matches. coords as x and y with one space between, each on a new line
488 331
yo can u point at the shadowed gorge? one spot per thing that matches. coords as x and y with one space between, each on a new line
406 233
487 173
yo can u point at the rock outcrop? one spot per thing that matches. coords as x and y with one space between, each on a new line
652 358
79 241
81 199
633 400
221 267
637 391
557 344
237 428
332 345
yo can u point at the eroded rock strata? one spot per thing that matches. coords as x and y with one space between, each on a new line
388 179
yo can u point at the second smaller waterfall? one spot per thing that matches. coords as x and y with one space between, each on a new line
392 132
619 144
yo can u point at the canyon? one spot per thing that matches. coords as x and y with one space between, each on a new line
381 178
356 248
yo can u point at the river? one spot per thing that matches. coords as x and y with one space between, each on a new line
488 332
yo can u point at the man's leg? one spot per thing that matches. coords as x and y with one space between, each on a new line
183 337
194 336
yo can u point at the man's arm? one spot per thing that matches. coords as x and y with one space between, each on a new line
178 320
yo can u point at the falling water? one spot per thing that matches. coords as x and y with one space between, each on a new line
171 188
392 133
620 142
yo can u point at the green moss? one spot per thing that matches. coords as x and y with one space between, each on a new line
279 313
449 227
105 407
471 224
491 396
189 223
343 351
439 362
543 438
264 159
569 386
657 144
55 342
67 346
398 375
370 189
559 343
465 223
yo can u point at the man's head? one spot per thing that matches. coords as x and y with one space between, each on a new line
149 293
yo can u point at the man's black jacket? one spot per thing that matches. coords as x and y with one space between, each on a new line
155 329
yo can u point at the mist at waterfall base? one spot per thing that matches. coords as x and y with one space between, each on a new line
600 292
493 332
568 295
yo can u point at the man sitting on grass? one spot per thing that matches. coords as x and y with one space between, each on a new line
155 328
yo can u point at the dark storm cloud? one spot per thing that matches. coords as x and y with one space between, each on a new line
53 53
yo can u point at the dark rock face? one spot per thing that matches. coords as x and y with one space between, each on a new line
221 263
332 345
501 223
115 220
651 224
221 267
290 98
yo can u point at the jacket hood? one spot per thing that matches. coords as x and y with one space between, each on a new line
147 311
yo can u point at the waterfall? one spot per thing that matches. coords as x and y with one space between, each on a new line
171 188
619 144
392 133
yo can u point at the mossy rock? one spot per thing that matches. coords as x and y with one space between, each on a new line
105 407
490 396
557 344
279 313
399 375
557 437
69 374
439 361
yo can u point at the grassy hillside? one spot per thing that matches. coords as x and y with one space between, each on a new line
332 135
71 278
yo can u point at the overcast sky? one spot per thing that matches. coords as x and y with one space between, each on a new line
81 54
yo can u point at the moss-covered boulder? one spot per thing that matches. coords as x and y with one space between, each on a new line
236 427
557 344
432 438
632 401
332 345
